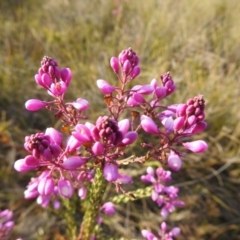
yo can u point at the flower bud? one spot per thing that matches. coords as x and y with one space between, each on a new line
35 105
65 188
80 104
149 125
129 138
73 162
196 146
108 208
105 87
110 172
66 75
82 192
135 72
98 148
46 186
174 162
114 64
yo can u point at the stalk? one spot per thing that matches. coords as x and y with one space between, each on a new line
93 203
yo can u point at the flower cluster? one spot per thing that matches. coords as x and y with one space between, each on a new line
67 160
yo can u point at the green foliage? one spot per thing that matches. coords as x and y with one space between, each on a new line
198 41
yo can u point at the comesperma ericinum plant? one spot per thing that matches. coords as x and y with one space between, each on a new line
84 157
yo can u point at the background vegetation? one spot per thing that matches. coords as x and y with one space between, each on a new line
197 41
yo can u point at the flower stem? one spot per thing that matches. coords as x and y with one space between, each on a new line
93 203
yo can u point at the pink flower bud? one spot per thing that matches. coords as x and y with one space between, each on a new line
80 104
66 75
199 127
98 148
108 208
129 138
135 72
73 162
160 92
178 123
82 133
82 192
132 102
35 105
164 227
124 179
126 67
31 161
138 98
175 232
46 80
149 125
196 146
146 89
110 172
114 64
65 188
148 235
72 144
174 162
55 135
123 126
181 109
56 204
21 166
191 120
154 83
46 186
105 87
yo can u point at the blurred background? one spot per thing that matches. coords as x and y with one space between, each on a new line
197 41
